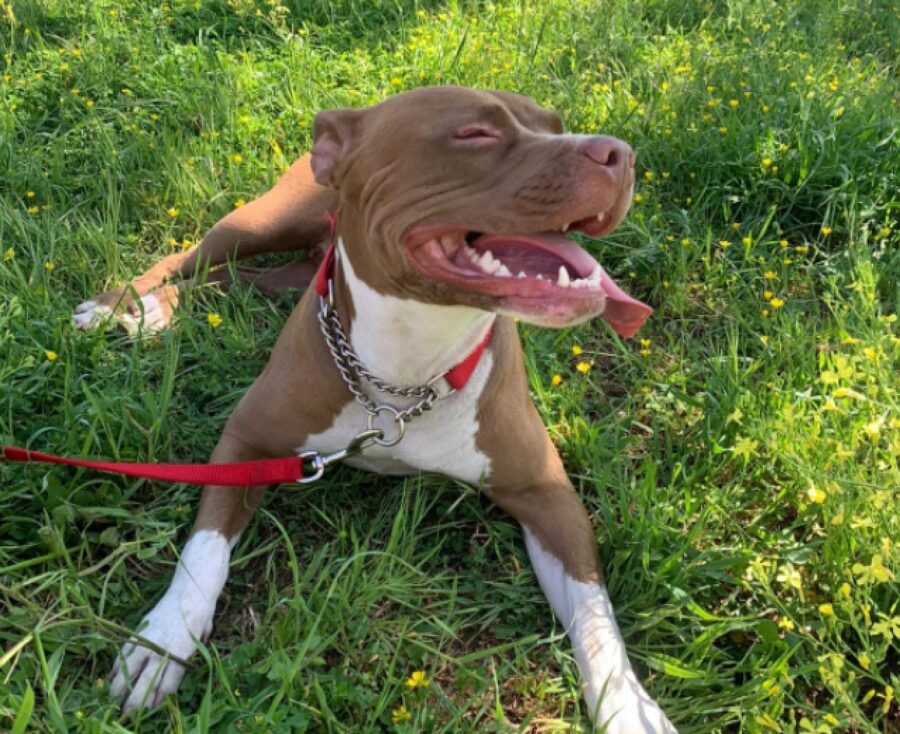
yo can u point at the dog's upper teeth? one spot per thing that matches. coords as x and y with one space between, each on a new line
565 227
601 216
469 251
521 274
540 276
563 279
503 271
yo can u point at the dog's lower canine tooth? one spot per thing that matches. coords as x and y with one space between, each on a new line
563 278
486 260
595 274
601 216
565 227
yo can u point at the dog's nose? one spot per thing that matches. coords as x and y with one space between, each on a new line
612 153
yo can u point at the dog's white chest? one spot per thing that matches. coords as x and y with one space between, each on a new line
407 342
441 440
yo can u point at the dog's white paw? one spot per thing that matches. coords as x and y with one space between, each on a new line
142 677
150 316
632 711
90 314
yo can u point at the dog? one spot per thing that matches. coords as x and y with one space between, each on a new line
453 206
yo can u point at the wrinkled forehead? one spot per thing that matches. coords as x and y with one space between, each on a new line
439 108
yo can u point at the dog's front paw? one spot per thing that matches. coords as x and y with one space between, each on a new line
142 677
630 710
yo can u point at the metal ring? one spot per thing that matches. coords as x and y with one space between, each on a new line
315 458
398 419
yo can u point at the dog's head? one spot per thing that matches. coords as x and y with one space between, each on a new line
463 197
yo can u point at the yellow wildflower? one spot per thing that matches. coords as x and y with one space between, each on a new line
8 254
875 573
576 350
825 231
776 303
816 495
846 392
49 267
555 380
214 320
583 367
51 356
172 212
418 680
237 158
826 610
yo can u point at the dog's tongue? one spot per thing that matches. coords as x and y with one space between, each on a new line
625 314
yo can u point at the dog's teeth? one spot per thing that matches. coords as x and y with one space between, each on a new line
563 279
521 274
601 216
503 271
469 251
595 275
540 276
565 227
486 260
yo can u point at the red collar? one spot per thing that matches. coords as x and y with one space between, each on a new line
457 376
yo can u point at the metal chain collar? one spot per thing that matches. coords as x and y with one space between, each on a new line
354 373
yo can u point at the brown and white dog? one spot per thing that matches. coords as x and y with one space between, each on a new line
453 203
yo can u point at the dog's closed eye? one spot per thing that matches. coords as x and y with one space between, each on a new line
478 134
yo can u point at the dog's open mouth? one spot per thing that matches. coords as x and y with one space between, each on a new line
543 276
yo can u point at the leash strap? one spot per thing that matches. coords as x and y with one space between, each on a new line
240 474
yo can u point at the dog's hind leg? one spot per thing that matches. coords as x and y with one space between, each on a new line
154 311
291 216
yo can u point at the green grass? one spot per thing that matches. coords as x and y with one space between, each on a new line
741 464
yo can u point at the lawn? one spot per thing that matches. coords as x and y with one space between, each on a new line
740 458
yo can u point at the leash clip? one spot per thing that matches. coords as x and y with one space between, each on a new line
319 461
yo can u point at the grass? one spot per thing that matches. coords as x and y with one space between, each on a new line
740 461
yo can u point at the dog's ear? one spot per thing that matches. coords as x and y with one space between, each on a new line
334 134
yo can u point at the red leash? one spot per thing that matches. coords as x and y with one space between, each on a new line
240 474
262 471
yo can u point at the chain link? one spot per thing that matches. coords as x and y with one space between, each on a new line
354 372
